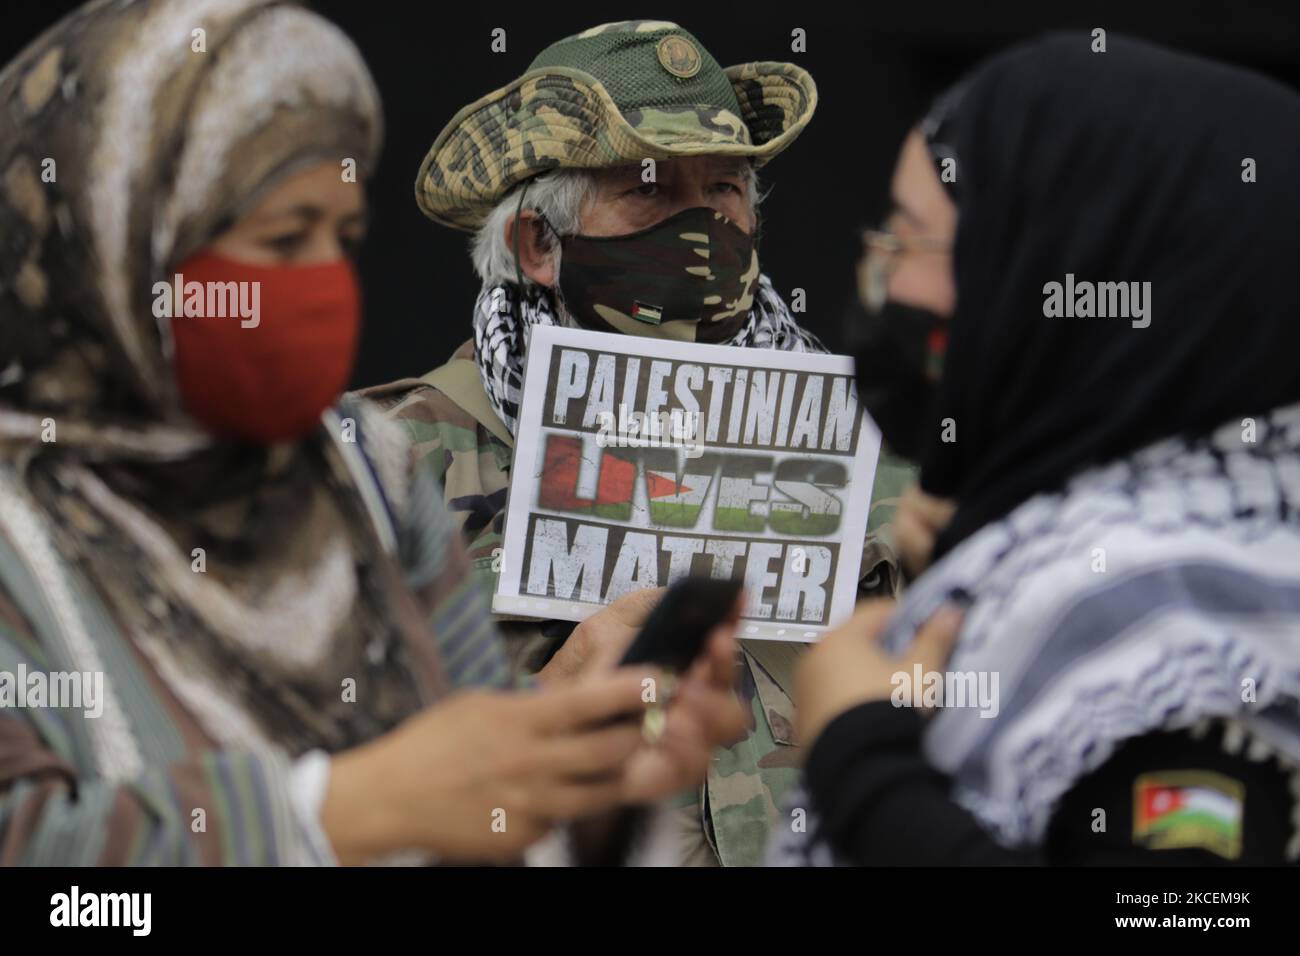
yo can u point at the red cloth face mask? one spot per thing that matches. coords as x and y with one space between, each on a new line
277 352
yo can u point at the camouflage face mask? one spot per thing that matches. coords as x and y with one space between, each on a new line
690 277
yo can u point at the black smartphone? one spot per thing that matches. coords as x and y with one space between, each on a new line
676 630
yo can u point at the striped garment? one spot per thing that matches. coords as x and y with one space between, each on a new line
238 609
148 781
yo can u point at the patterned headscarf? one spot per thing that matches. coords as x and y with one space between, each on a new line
119 133
131 134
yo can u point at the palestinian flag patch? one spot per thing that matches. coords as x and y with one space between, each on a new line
1188 809
652 314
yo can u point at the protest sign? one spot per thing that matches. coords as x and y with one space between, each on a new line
639 460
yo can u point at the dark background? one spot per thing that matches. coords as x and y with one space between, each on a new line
876 70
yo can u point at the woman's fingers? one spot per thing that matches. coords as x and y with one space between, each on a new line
934 513
599 699
591 753
717 665
934 642
917 522
680 758
914 541
568 800
717 712
868 620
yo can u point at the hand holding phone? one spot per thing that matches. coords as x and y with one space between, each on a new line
675 635
677 630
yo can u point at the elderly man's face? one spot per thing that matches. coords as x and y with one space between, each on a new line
624 203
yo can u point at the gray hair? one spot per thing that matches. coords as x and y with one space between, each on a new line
560 196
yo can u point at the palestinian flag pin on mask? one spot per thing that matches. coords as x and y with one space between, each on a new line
651 314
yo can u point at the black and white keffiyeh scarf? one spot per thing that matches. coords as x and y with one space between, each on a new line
1128 522
1149 595
501 336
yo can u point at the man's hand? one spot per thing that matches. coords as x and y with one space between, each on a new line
598 642
702 715
847 667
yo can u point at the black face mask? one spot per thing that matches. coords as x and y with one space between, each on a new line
898 356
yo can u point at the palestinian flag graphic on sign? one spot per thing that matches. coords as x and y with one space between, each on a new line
614 492
1188 810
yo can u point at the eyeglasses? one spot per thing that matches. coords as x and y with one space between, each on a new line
880 253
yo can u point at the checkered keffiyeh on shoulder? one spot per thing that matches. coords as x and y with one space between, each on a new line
501 336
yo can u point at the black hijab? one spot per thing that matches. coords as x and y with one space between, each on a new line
1117 167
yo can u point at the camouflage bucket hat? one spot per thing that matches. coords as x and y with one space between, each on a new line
612 95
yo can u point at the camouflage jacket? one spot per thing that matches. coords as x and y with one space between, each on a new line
738 804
